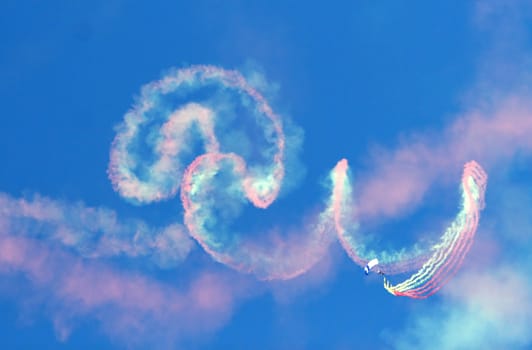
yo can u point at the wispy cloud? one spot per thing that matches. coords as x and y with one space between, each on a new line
495 123
490 136
93 232
129 306
486 310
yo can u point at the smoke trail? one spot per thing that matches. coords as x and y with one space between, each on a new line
93 232
218 182
447 255
392 262
188 121
455 243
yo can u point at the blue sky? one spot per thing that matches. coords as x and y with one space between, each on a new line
368 81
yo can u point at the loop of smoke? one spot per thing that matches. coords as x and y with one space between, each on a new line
218 181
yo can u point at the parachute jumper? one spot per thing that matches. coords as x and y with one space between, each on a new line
371 264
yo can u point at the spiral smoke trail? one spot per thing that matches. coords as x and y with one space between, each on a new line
218 180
